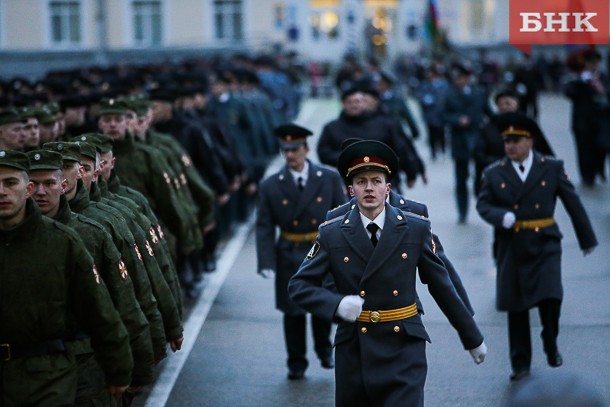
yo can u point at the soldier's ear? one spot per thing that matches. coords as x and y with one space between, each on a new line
29 189
350 190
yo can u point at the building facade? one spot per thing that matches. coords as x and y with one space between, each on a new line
316 29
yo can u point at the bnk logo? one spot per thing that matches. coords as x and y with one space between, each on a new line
558 22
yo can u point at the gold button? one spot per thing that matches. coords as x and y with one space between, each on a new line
542 158
543 183
404 256
516 206
319 173
353 206
399 217
536 229
362 293
402 201
375 317
346 221
285 202
319 199
363 329
503 185
537 206
396 328
314 221
295 222
346 259
395 292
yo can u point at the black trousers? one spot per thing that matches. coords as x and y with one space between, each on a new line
462 172
519 337
295 331
436 140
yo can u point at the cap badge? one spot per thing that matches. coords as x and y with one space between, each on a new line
366 159
36 157
2 153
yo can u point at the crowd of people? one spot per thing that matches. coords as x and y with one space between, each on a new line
118 184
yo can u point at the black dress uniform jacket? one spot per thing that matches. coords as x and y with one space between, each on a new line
281 204
529 260
379 364
420 209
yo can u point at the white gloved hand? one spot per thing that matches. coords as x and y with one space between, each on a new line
509 220
267 273
479 353
350 308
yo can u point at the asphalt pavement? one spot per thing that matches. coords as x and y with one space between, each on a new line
234 351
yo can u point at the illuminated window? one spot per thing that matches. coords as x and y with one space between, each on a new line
228 19
147 22
324 19
65 22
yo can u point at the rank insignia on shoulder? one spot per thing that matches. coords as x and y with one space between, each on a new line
96 275
135 246
123 270
433 245
153 235
313 251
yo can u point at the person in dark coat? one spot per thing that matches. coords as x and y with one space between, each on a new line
372 253
518 197
490 145
295 200
463 109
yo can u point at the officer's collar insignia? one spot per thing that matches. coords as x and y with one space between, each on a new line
313 251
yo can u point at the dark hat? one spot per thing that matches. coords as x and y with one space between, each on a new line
461 70
514 125
112 106
44 160
163 95
10 115
69 151
27 112
45 115
505 92
291 135
367 155
87 149
102 143
371 91
350 91
14 159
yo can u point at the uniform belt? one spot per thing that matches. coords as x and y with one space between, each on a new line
299 237
11 351
534 223
388 315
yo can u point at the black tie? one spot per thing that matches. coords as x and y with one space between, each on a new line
300 183
373 228
521 168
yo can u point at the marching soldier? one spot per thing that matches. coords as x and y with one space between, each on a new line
48 280
296 199
372 253
518 197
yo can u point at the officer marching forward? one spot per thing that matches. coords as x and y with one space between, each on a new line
518 197
295 200
372 253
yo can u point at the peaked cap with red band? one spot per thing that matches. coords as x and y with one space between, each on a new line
367 155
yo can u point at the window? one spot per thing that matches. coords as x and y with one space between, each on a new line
65 22
324 19
228 19
147 22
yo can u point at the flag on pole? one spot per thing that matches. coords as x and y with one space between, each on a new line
432 30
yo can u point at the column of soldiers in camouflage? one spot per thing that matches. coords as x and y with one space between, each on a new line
143 198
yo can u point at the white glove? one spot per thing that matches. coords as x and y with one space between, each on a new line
478 353
350 308
509 220
267 273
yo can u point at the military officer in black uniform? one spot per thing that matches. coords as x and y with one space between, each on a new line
295 200
518 197
372 253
